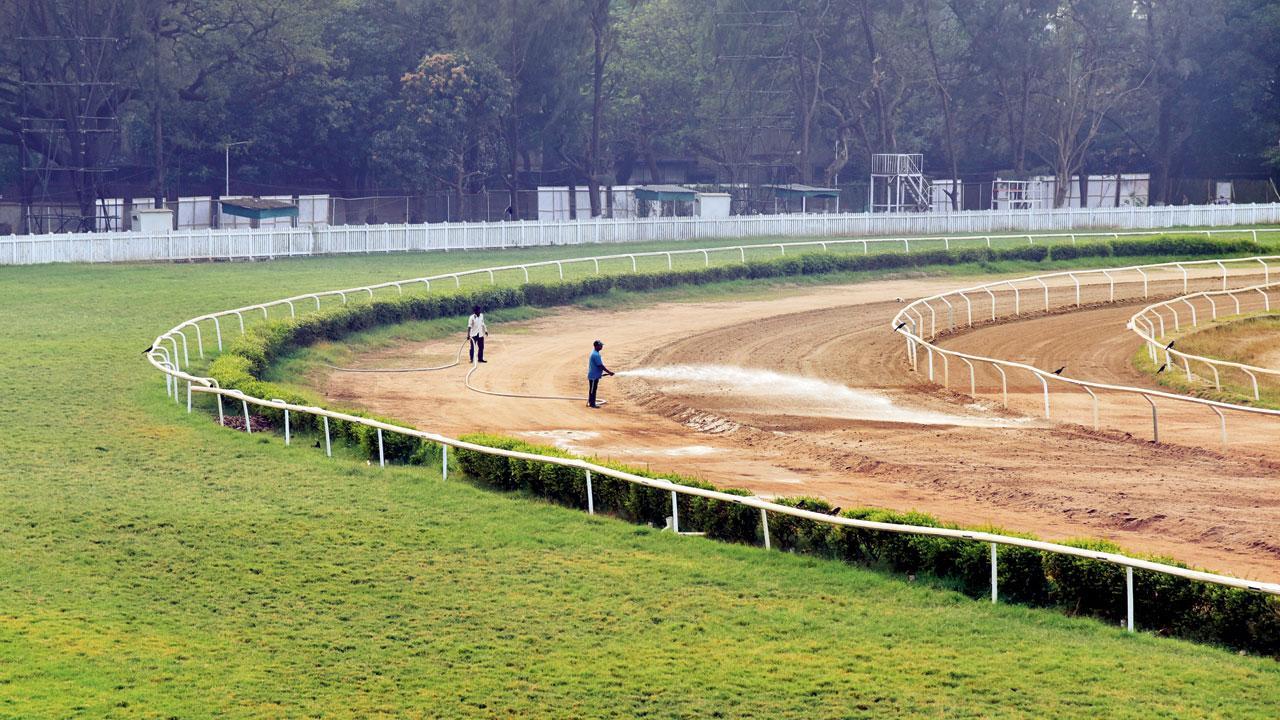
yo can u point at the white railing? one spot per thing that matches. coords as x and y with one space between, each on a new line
173 344
1146 321
234 244
910 321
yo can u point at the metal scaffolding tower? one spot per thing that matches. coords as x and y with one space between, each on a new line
898 184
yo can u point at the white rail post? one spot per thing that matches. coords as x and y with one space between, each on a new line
247 425
188 397
1004 384
1128 591
1155 420
1044 384
221 419
764 524
1222 423
444 461
591 501
1093 395
675 514
994 573
286 426
1254 379
973 377
382 461
328 446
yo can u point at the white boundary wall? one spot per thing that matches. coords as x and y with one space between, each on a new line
261 243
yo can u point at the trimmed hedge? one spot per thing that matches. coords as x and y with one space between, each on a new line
1169 605
1163 604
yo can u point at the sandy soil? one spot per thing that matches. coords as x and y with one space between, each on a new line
809 393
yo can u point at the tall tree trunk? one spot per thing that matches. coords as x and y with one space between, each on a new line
948 119
513 121
599 26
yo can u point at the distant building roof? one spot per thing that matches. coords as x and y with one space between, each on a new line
808 191
258 209
665 192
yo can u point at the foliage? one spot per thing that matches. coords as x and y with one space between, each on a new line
748 91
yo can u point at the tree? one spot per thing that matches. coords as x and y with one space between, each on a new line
450 128
1088 75
656 81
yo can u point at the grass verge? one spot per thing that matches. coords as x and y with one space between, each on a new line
155 565
1249 339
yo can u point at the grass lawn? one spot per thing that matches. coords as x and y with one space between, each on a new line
1247 339
155 565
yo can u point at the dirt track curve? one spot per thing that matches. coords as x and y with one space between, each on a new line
772 395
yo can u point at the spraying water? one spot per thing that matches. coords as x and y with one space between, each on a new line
795 394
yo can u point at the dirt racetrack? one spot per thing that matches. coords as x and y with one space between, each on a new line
808 392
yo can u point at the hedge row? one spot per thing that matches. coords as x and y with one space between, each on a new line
1163 604
1192 610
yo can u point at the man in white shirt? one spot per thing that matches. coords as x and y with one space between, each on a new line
476 332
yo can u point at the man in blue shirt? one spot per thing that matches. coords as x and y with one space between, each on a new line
595 371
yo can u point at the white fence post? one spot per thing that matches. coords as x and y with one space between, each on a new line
764 525
1128 588
993 572
591 501
675 514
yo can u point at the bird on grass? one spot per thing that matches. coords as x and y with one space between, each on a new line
834 511
1162 367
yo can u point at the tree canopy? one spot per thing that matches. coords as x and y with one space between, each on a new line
356 96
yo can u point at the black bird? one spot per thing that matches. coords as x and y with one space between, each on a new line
900 326
1171 342
1059 370
1162 367
835 510
149 349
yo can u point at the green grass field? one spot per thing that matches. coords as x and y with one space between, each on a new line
155 565
1247 339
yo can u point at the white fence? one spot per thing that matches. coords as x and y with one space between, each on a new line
911 322
1146 321
236 244
170 353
